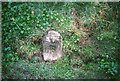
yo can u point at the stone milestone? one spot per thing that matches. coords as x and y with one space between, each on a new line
52 46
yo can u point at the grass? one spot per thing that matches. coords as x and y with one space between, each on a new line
40 70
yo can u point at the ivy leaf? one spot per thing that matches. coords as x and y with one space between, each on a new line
22 32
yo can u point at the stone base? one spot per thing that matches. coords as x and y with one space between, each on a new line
51 57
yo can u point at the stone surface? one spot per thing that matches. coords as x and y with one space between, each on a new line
52 46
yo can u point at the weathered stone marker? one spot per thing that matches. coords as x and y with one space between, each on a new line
52 46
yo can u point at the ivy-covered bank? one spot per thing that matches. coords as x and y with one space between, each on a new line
90 33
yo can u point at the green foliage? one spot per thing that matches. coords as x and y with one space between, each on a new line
10 57
24 24
109 67
71 42
22 20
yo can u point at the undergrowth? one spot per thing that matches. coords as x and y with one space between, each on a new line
90 33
